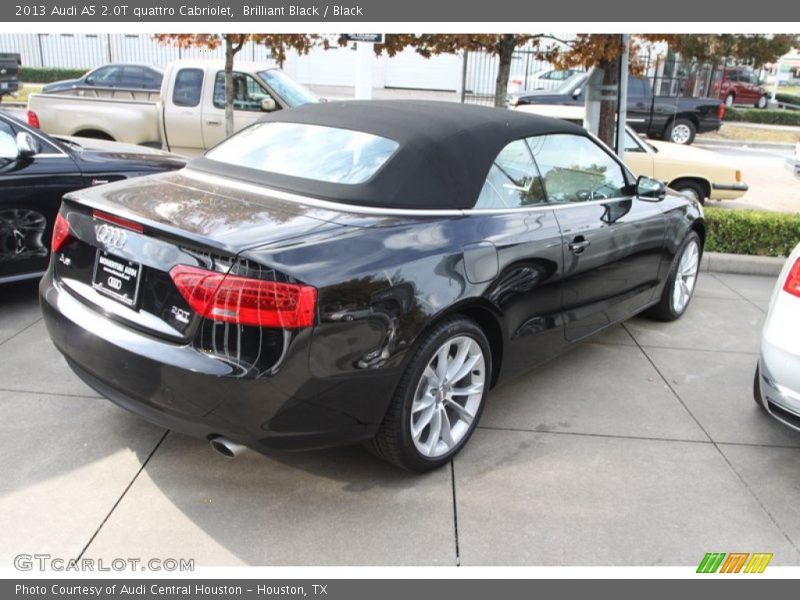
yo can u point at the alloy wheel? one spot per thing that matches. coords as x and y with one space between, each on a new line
681 134
685 277
21 233
448 397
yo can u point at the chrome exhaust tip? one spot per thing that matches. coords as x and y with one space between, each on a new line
226 447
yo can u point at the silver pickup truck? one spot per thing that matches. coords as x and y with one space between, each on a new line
186 117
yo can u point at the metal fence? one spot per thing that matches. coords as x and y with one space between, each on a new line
668 75
87 51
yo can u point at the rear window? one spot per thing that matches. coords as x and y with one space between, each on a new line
312 152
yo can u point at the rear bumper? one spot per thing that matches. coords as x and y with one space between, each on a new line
178 387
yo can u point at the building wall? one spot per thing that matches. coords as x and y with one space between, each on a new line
335 66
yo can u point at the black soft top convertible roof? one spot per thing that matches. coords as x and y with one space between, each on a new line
444 154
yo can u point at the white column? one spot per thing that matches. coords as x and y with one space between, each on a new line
365 57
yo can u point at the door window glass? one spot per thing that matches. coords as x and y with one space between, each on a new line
513 180
188 87
631 143
247 92
8 142
575 169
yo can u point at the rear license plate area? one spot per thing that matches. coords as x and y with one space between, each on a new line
117 278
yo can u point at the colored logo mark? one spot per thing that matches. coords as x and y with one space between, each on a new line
734 562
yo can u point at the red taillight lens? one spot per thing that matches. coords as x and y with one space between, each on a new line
792 283
234 299
721 111
60 233
97 214
33 119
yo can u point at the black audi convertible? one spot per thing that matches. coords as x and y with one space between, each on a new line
360 272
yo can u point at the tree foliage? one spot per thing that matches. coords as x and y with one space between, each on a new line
750 49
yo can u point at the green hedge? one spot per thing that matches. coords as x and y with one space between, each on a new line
769 117
745 231
36 75
789 98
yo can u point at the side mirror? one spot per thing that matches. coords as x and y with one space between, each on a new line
650 189
576 93
26 145
89 80
268 105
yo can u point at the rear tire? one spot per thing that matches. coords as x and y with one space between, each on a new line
729 100
426 423
680 284
681 131
762 102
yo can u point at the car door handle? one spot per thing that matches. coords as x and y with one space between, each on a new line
578 245
213 122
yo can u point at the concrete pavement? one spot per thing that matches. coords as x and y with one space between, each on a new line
642 447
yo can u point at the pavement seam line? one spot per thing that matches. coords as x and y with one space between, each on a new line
737 292
746 485
455 511
124 492
21 331
40 393
642 438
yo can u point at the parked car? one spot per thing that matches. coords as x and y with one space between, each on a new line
36 170
188 118
210 300
797 156
740 85
542 80
10 69
699 173
669 118
108 80
776 386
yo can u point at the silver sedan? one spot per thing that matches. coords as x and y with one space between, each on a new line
777 381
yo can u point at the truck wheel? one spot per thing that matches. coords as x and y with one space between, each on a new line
681 131
762 102
729 99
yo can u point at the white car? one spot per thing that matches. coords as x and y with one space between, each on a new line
542 80
797 156
777 381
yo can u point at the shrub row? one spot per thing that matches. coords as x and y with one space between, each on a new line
769 117
745 231
37 75
789 98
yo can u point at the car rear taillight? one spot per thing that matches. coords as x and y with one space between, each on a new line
33 119
721 111
60 233
246 301
792 283
132 225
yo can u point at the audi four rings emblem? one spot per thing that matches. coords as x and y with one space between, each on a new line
111 237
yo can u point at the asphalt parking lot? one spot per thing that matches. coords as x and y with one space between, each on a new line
643 447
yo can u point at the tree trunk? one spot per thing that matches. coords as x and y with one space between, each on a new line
608 107
233 43
505 52
230 92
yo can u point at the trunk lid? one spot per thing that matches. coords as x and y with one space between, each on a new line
126 237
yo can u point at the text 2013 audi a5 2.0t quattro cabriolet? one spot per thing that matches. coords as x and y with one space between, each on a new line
359 271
